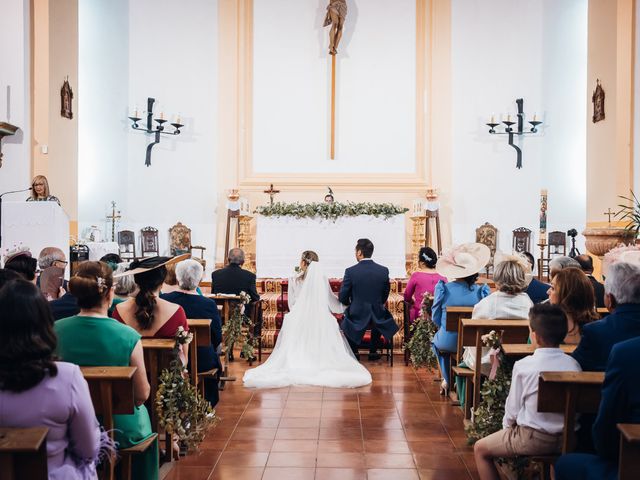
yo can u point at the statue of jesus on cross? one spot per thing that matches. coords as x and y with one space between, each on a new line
336 13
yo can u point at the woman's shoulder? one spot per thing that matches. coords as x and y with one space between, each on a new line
67 372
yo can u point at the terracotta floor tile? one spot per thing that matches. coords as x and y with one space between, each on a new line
340 434
303 403
341 460
291 459
431 447
313 412
389 460
340 474
444 474
249 445
340 446
299 395
383 434
288 473
257 422
263 412
386 423
245 459
297 434
301 422
227 472
435 461
250 433
201 458
329 422
180 472
340 413
383 446
392 474
295 446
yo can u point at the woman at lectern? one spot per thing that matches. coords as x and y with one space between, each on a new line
40 191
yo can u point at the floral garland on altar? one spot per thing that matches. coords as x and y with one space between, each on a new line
330 211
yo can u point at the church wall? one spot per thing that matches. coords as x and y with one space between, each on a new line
503 50
636 102
14 96
173 58
102 109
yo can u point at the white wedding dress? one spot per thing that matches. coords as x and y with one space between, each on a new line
310 349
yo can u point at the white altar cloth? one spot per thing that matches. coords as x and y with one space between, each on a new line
97 250
281 240
35 225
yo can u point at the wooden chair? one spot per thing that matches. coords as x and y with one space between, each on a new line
521 240
629 463
77 254
556 246
111 391
127 245
23 453
487 234
180 242
470 335
149 237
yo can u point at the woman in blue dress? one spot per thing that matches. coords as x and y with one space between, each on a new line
462 263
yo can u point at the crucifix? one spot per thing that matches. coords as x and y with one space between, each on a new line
336 14
115 216
272 193
608 213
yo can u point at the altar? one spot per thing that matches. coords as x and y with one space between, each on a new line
280 240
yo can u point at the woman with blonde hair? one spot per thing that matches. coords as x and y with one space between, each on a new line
573 291
40 190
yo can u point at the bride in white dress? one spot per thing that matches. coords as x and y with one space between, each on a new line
310 349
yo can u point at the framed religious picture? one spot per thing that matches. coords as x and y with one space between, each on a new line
66 97
598 102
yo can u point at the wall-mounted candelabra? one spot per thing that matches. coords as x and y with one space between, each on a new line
158 130
509 130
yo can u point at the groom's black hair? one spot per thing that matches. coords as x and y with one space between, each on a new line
365 247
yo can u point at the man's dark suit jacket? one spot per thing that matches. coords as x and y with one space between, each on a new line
598 290
234 279
65 306
365 289
599 337
620 404
537 291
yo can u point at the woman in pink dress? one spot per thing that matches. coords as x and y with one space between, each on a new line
422 281
36 391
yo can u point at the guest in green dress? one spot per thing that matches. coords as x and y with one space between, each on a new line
91 338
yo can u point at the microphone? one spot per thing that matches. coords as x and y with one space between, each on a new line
16 191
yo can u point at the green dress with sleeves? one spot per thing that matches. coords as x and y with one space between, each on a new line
98 342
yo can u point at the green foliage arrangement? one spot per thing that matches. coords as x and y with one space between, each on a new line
240 327
181 410
631 213
330 211
487 418
422 332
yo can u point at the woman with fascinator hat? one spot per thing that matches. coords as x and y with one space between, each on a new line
147 313
423 280
460 265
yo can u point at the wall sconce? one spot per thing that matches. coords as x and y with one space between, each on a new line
511 132
149 129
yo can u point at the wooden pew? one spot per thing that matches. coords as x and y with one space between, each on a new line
23 453
225 304
201 330
517 351
569 393
629 463
603 312
455 314
111 391
470 335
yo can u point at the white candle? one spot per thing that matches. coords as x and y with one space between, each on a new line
508 117
161 115
493 119
535 117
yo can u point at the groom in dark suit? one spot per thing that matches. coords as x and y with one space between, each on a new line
365 289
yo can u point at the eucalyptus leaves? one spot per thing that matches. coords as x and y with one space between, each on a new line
330 211
181 410
422 332
240 326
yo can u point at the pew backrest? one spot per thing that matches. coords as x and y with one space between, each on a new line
23 453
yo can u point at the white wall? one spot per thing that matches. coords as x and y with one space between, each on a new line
636 110
503 50
103 77
375 88
14 96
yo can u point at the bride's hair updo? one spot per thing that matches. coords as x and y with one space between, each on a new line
309 256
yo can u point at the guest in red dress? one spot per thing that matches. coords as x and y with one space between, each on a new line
422 281
147 313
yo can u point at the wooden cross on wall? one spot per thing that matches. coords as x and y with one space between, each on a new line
114 217
608 213
272 193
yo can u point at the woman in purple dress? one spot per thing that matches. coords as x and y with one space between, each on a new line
36 391
422 281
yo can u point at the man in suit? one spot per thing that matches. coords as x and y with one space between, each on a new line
622 294
620 404
233 279
365 290
586 264
536 290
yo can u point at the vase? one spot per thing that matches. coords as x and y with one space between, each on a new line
601 240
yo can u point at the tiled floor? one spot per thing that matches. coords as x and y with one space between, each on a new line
397 428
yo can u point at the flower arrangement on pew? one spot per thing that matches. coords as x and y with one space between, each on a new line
182 412
487 418
240 326
422 332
